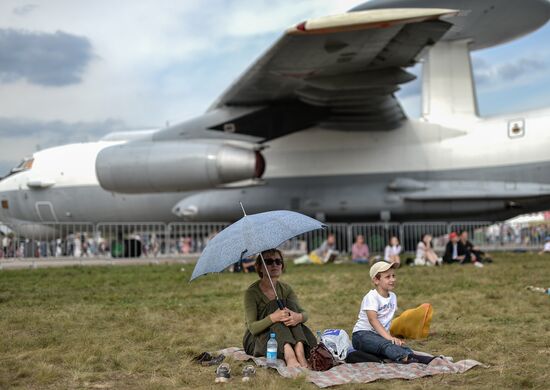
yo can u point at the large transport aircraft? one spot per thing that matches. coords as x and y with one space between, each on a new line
314 126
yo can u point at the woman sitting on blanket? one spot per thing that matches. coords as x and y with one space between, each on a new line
263 316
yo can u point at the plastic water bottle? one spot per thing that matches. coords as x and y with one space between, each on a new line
271 354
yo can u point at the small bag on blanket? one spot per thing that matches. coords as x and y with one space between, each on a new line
320 358
337 342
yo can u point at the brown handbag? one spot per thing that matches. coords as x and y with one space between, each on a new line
320 358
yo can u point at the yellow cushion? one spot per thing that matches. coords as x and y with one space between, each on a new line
413 323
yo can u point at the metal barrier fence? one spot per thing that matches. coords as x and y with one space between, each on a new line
376 235
154 240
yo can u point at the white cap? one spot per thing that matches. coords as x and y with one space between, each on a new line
381 266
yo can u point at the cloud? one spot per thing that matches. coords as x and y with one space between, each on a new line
524 66
27 136
58 130
487 74
23 10
49 59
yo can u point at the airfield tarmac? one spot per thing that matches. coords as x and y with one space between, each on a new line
28 263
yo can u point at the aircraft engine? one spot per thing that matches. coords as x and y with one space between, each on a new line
145 167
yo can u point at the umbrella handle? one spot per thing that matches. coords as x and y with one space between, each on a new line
280 304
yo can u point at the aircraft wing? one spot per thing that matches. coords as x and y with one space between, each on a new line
337 72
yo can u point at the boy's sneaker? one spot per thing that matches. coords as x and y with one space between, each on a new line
248 372
223 373
478 264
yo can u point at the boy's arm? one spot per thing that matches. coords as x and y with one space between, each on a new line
373 319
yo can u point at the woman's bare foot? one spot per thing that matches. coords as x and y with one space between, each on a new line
300 355
291 363
290 356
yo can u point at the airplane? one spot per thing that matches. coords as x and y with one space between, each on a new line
314 126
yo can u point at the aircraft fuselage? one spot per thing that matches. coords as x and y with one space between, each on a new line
342 175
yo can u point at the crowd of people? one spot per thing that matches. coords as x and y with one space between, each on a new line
459 249
86 244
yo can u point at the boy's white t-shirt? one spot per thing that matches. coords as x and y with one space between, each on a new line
384 307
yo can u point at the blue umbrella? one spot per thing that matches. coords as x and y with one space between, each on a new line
252 234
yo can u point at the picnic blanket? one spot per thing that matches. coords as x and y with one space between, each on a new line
361 372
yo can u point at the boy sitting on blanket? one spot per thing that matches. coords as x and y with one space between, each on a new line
371 333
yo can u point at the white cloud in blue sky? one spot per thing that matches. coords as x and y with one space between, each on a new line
143 63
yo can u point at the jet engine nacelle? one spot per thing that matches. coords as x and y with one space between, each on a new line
145 167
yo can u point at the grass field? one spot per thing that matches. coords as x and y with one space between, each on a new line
137 327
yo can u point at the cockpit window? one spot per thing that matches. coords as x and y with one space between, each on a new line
25 165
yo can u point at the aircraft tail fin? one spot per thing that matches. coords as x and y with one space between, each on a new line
448 88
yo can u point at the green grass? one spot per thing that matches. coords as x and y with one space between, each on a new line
137 327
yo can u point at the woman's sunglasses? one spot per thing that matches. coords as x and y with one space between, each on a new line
273 261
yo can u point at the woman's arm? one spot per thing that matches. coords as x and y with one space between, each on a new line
294 317
254 325
294 298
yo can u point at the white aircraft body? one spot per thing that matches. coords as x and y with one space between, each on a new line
314 126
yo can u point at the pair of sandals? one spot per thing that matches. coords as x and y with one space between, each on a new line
223 371
206 359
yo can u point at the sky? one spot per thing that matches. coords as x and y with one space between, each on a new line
73 71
